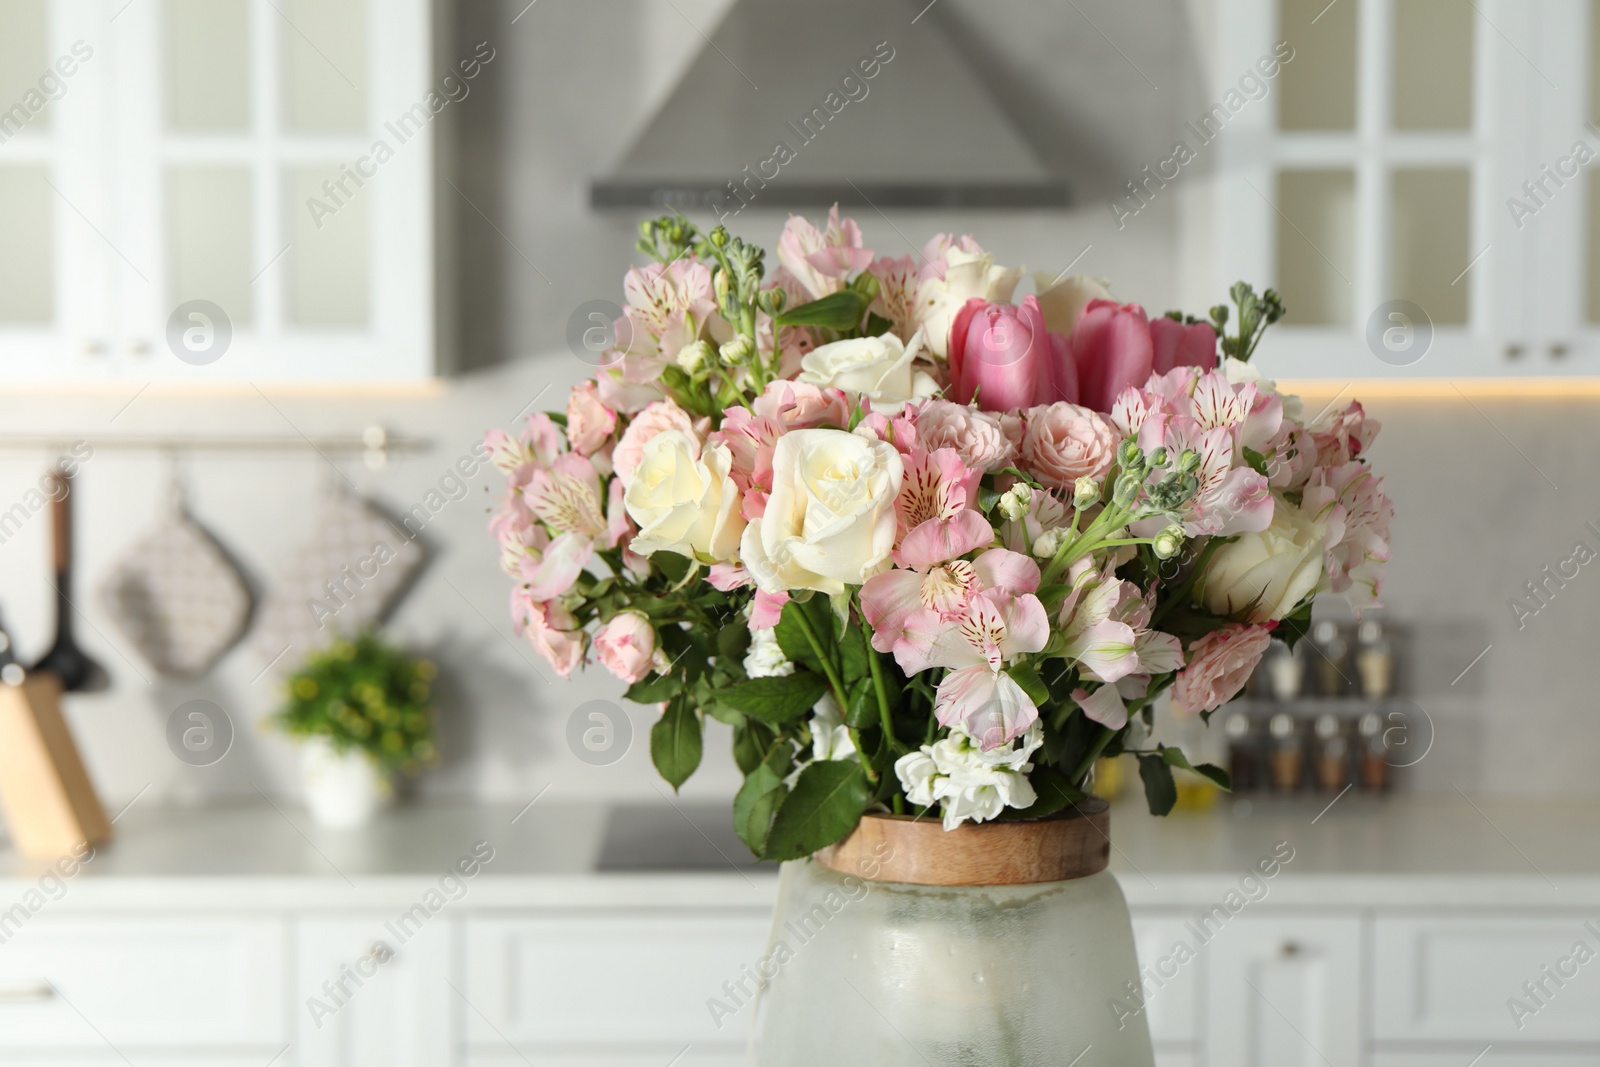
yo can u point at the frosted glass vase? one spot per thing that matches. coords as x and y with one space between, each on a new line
1019 972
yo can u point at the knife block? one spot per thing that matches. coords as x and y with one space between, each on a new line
50 804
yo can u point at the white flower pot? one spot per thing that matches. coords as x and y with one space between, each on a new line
343 789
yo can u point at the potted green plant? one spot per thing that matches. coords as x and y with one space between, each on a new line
361 708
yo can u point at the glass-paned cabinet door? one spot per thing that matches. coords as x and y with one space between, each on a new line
1361 146
1556 201
276 178
57 260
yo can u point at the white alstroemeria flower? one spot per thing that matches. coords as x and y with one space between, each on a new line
968 782
830 737
765 658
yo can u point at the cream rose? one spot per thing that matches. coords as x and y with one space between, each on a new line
1263 576
966 275
1064 442
830 520
683 499
879 368
1063 299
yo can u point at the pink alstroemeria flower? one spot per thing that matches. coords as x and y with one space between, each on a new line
820 260
935 510
908 609
977 692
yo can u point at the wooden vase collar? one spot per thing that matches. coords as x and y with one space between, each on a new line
920 851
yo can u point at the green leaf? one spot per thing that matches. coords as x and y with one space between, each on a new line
819 611
653 689
828 800
1025 675
733 641
1054 793
988 498
863 705
753 807
775 700
752 742
1294 626
792 637
1160 791
676 742
1211 771
1255 461
673 567
853 654
877 325
836 311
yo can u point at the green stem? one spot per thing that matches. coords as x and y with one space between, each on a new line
879 687
837 685
1081 772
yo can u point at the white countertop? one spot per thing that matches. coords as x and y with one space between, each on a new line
1399 852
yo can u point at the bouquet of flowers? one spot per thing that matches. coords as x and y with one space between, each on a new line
923 549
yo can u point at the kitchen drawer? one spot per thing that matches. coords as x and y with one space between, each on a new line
100 984
1171 988
1452 979
610 981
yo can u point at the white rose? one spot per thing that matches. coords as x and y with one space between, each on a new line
684 503
830 519
878 368
966 275
1265 575
1063 299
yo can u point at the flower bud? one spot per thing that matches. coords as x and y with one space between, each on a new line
1169 542
719 237
1045 545
1014 502
1085 493
737 351
1188 461
772 301
1130 456
696 356
1158 458
722 285
1127 489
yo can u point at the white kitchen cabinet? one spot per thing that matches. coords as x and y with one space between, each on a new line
688 1057
1371 179
1285 991
611 981
168 982
1172 988
371 993
1497 1056
1454 979
167 213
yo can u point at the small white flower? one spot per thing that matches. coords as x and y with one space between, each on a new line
1045 545
695 356
1014 503
830 737
765 658
1085 493
969 782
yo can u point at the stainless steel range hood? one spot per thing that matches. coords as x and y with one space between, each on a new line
860 102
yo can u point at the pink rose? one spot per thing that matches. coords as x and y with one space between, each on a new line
1112 349
801 405
1064 442
655 418
1175 345
1219 665
1004 355
626 646
589 422
553 633
976 436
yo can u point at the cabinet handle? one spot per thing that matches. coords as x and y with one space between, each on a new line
1513 351
94 347
1558 350
17 994
139 347
1290 949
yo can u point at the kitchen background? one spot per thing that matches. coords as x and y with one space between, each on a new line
1488 490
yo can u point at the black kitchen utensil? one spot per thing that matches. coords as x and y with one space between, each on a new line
65 659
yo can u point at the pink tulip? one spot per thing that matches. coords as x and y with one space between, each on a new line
1112 348
1004 354
1177 345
